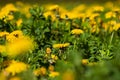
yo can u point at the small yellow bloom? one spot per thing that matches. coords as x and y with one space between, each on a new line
18 22
110 15
66 44
2 48
54 57
77 31
15 78
14 35
116 27
98 8
3 34
51 68
48 50
68 75
85 61
40 71
53 7
19 46
16 67
54 74
61 45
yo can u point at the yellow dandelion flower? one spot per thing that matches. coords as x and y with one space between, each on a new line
77 31
18 22
3 34
68 75
112 22
98 8
79 8
14 35
6 10
40 71
116 27
57 46
110 15
54 74
3 75
10 17
2 48
16 67
15 78
52 7
19 46
61 45
66 44
51 68
54 57
85 61
48 50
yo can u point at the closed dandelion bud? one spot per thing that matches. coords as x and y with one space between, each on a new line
84 61
48 50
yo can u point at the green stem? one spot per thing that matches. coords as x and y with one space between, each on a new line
111 38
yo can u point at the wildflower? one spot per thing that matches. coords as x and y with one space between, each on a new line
54 74
2 48
77 31
79 8
51 68
18 22
85 61
68 75
53 7
40 71
14 35
98 8
54 57
110 15
6 10
15 78
61 45
66 44
116 27
19 46
48 50
3 34
16 67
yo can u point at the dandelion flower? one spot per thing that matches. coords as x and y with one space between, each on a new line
16 67
54 74
77 31
40 71
19 46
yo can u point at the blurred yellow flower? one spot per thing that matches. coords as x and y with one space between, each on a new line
3 34
98 8
61 45
52 7
110 15
68 75
77 31
51 68
40 71
116 27
18 22
16 67
85 61
15 78
7 9
19 46
2 48
54 57
48 50
54 74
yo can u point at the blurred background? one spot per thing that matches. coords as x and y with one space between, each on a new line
56 1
